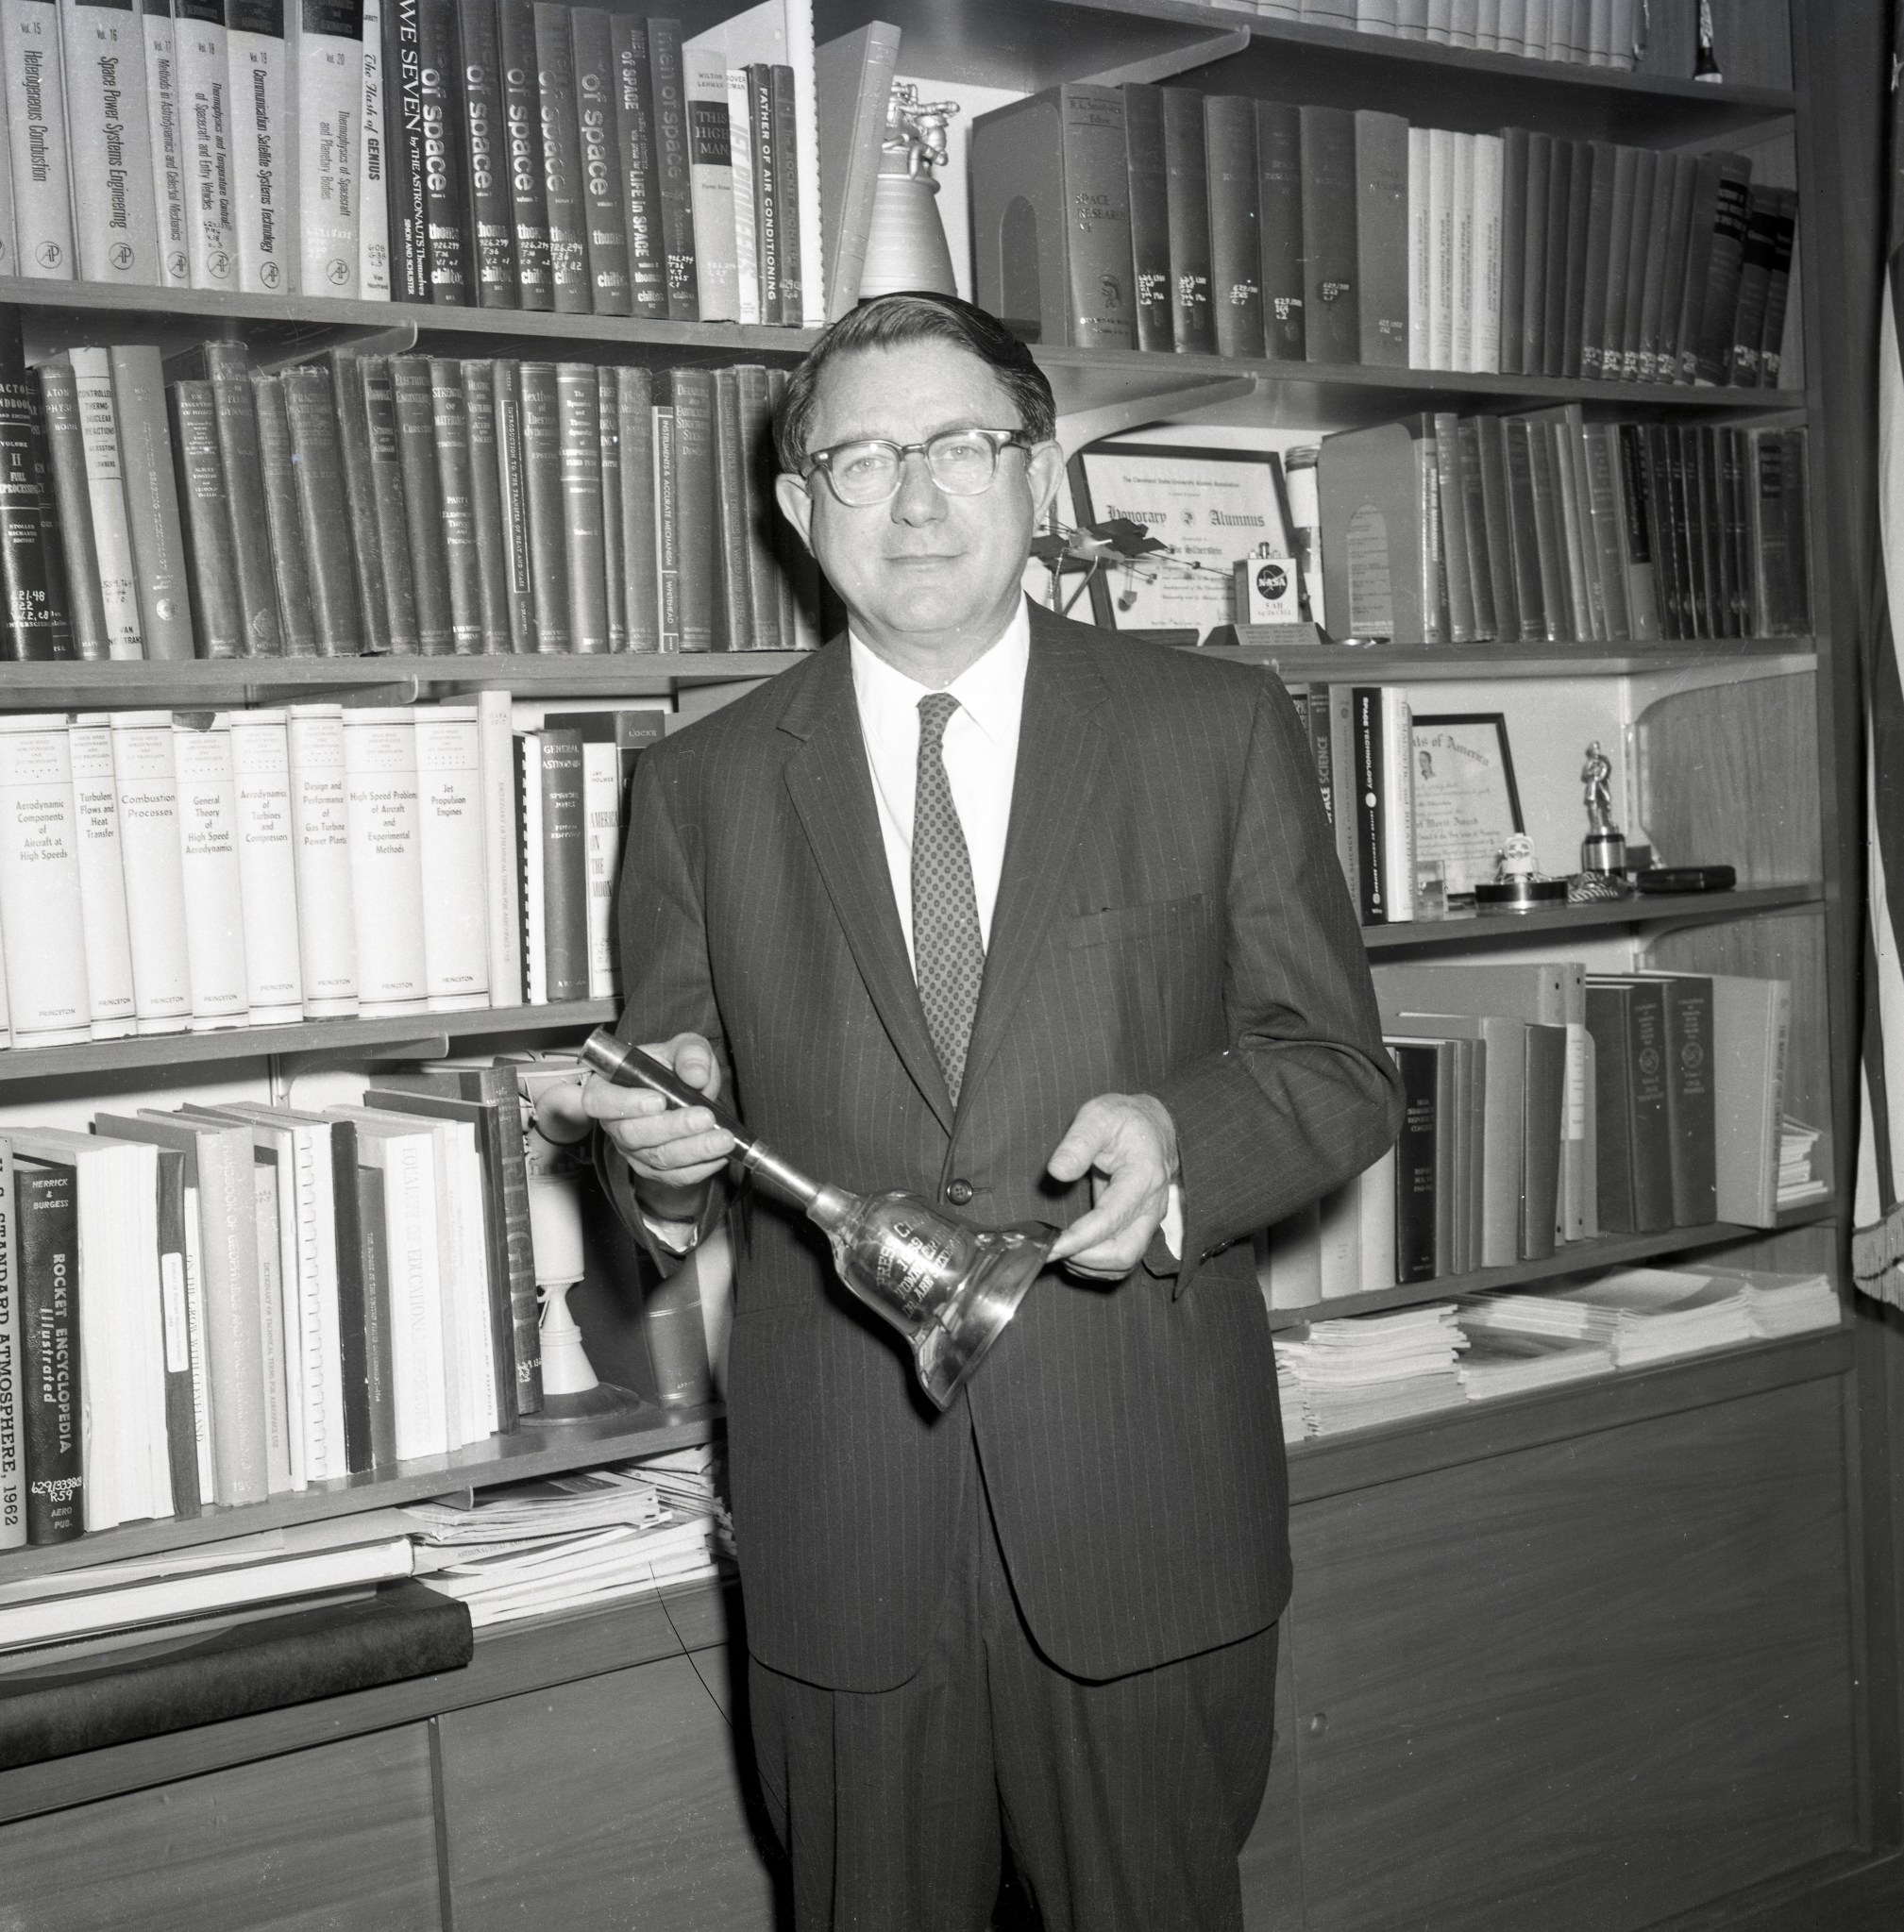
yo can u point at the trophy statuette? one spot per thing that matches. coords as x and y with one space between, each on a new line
949 1288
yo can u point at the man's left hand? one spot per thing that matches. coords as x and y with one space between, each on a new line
1128 1144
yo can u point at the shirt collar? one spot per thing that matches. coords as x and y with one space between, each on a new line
992 691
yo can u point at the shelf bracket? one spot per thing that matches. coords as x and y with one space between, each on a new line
1156 67
1081 427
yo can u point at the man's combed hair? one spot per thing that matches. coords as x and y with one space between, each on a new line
891 322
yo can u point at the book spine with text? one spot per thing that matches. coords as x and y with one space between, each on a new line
485 496
146 786
266 212
408 221
205 108
291 568
328 96
28 633
323 506
565 867
320 835
457 504
578 409
213 567
634 395
710 177
492 206
106 491
513 487
562 159
365 556
207 847
35 130
669 119
386 872
373 163
165 134
453 850
267 866
540 418
236 413
42 900
604 214
115 212
112 992
522 133
423 503
496 755
446 189
151 501
647 256
66 449
385 455
1146 184
608 453
45 1215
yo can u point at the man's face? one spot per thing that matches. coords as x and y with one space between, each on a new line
925 570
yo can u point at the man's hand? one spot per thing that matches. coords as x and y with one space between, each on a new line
674 1151
1128 1144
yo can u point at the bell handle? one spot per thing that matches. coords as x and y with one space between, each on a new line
626 1065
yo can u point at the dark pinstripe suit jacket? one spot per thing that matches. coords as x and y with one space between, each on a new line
1171 920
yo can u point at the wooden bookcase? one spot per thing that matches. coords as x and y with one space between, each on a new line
1601 1656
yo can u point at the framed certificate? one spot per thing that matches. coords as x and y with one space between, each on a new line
1210 508
1466 803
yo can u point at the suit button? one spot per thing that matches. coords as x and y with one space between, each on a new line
959 1193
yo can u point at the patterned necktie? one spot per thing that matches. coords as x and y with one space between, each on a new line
947 952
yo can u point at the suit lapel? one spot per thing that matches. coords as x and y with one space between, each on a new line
1061 753
830 785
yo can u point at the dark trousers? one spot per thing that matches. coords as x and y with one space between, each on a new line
1125 1803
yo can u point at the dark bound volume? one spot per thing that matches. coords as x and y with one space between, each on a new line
1691 1057
1497 526
1633 1140
28 633
513 483
1236 242
1638 233
378 1314
786 169
1658 218
1685 192
1755 283
359 494
1529 592
244 491
768 199
1371 830
577 408
1415 1160
1561 157
522 121
758 469
1779 286
403 147
217 615
423 503
445 194
456 497
562 159
1710 175
1597 263
1332 320
393 519
564 867
66 450
669 101
1280 203
1534 233
322 508
604 213
1147 185
541 430
1186 191
696 516
1710 343
485 496
1578 233
359 1453
734 623
289 564
46 1251
1515 185
51 551
181 1431
1474 492
646 258
666 517
608 450
1382 238
492 209
264 1663
634 392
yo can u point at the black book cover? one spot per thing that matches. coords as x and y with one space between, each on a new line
1733 453
237 419
1332 315
1372 805
1690 1098
1754 283
522 120
1724 250
758 469
1683 463
1609 1023
1480 557
378 1315
1627 1021
404 150
1655 472
1149 213
1514 186
1695 260
182 1429
486 156
565 867
52 546
446 189
1382 238
217 616
1524 526
698 518
562 159
1708 520
393 521
1415 1160
635 126
666 517
1188 196
608 451
577 408
1535 228
456 503
541 431
405 1629
1608 326
66 452
323 509
1658 218
1639 237
1496 523
634 392
669 101
1602 202
360 494
28 633
1279 189
1579 230
1560 159
1235 246
289 564
735 603
46 1270
1778 287
767 199
603 201
423 503
785 150
352 1333
1684 195
513 481
485 496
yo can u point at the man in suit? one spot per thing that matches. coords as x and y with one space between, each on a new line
1044 924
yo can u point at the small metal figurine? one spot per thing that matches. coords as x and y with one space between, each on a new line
1603 851
906 245
1706 66
1518 884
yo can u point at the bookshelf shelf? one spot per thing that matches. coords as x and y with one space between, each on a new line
1467 932
531 1451
423 1036
1421 663
1574 1257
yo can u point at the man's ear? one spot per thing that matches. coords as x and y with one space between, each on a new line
795 505
1044 472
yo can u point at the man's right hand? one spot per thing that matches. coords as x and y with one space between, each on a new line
673 1152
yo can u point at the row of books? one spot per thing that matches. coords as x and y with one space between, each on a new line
401 505
1545 526
1547 1104
167 872
506 153
1586 33
1160 218
1359 1371
221 1304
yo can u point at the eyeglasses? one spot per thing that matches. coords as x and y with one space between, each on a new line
961 462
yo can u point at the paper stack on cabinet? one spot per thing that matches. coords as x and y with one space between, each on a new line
1501 1362
1641 1314
1362 1371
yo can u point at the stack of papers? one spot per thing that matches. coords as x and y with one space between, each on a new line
572 1542
1796 1145
1785 1304
1502 1362
1371 1369
1640 1313
1291 1400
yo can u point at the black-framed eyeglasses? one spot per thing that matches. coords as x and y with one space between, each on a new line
962 463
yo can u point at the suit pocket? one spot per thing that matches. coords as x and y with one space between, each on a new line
1120 924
